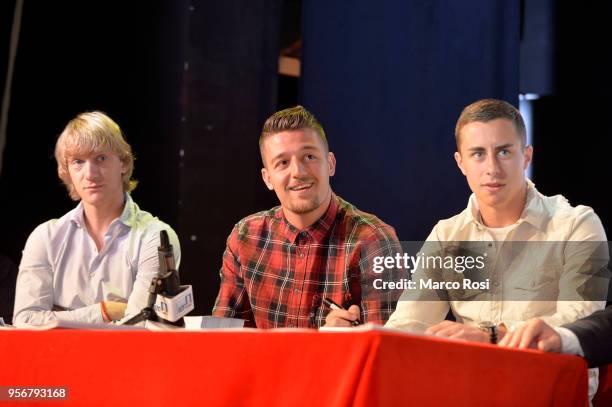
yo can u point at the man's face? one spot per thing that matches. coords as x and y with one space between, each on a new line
493 161
96 176
297 168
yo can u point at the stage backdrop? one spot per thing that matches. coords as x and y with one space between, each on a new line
388 82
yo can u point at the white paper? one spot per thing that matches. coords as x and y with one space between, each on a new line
210 322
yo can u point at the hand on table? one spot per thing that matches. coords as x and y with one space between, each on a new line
534 334
456 330
115 310
341 317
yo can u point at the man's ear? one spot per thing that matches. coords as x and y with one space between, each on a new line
124 167
266 178
459 161
331 162
528 153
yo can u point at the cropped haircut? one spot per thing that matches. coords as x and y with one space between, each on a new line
486 110
293 118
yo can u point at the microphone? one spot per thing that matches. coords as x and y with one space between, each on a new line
167 265
176 307
173 301
169 301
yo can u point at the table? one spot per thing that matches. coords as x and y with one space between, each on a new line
285 368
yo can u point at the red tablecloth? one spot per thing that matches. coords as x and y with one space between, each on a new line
268 368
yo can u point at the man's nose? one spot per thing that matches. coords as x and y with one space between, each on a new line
493 167
297 168
91 169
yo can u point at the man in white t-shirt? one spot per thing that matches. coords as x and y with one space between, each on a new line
543 257
561 279
505 208
506 217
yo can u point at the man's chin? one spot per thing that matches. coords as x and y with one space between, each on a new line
303 208
492 201
93 198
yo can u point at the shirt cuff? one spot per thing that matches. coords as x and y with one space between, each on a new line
569 342
91 314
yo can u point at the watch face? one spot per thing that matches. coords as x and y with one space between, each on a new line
491 328
486 325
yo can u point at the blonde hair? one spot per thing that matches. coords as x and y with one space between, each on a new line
91 132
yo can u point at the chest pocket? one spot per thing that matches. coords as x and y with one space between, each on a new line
538 284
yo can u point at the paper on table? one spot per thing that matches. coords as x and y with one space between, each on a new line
61 324
368 327
160 326
210 322
191 323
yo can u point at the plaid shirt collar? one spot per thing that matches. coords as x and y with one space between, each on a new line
317 230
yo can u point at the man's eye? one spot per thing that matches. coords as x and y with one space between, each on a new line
310 157
477 154
504 153
102 157
282 163
76 161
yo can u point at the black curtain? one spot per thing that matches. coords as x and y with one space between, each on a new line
118 57
230 88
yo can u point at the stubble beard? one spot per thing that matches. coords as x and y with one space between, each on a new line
304 207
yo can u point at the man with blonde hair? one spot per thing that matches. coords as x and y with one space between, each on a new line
95 263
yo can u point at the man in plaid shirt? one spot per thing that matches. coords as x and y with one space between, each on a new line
279 264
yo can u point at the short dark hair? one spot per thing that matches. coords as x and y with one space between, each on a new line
293 118
486 110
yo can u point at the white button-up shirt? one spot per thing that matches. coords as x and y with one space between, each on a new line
63 276
518 289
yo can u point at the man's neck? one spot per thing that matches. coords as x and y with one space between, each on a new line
99 217
304 220
504 215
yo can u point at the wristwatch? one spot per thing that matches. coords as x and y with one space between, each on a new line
491 328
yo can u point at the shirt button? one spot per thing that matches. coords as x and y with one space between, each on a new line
302 255
296 290
304 234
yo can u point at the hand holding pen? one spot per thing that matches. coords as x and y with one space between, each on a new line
340 316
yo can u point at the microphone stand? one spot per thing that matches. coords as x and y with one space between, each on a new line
166 283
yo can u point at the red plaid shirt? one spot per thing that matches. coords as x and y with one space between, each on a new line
274 275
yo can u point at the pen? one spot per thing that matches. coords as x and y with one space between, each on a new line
333 305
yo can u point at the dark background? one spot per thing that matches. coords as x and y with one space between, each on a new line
191 83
